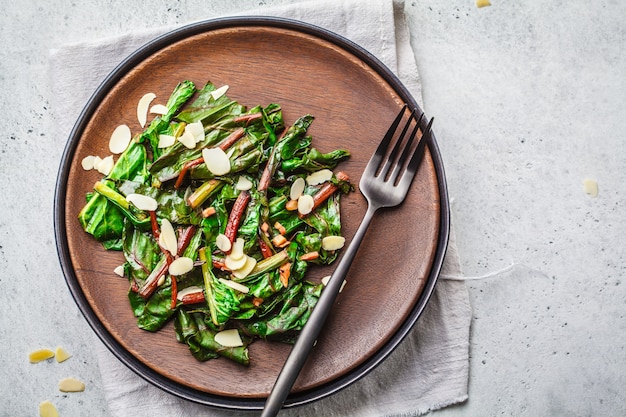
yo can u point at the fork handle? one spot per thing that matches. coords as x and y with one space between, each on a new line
308 335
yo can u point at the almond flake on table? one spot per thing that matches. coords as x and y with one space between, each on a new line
120 139
142 108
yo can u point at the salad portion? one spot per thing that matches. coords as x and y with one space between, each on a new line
219 211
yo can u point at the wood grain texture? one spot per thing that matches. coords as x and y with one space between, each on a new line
353 106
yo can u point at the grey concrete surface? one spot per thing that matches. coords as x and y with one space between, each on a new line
529 100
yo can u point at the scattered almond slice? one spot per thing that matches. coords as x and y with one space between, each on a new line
223 243
482 3
105 165
591 187
87 162
235 285
47 409
142 202
40 355
219 92
165 141
158 109
187 139
319 177
245 270
229 338
61 355
243 183
234 263
120 138
333 242
96 161
297 188
71 385
142 108
216 161
119 270
305 204
169 237
161 281
197 131
237 249
327 278
186 291
180 266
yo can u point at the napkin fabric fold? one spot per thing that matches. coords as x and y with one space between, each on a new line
429 369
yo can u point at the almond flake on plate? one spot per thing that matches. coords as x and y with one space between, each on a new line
187 139
197 131
142 108
104 165
333 242
216 161
243 183
297 188
305 204
87 162
120 138
71 385
180 266
119 270
319 177
229 338
169 237
142 202
165 141
219 92
245 270
158 109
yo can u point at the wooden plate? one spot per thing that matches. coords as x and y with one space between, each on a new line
353 98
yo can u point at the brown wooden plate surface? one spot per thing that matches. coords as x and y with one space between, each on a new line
353 99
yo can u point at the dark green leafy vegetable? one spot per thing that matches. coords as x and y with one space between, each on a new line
259 287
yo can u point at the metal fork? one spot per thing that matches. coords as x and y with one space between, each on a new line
384 183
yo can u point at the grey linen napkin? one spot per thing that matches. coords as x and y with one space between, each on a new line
429 370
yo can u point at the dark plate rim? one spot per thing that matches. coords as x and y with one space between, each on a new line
60 225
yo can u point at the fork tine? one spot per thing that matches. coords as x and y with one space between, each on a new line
375 160
396 149
400 164
416 158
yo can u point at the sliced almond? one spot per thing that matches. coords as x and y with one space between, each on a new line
158 109
119 270
120 138
142 108
223 243
245 270
234 264
165 141
87 162
319 177
71 385
186 291
47 409
197 130
237 249
216 161
61 355
105 165
229 338
243 183
180 266
235 285
591 187
40 355
161 281
297 188
142 202
187 139
333 242
169 237
96 162
305 204
219 92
